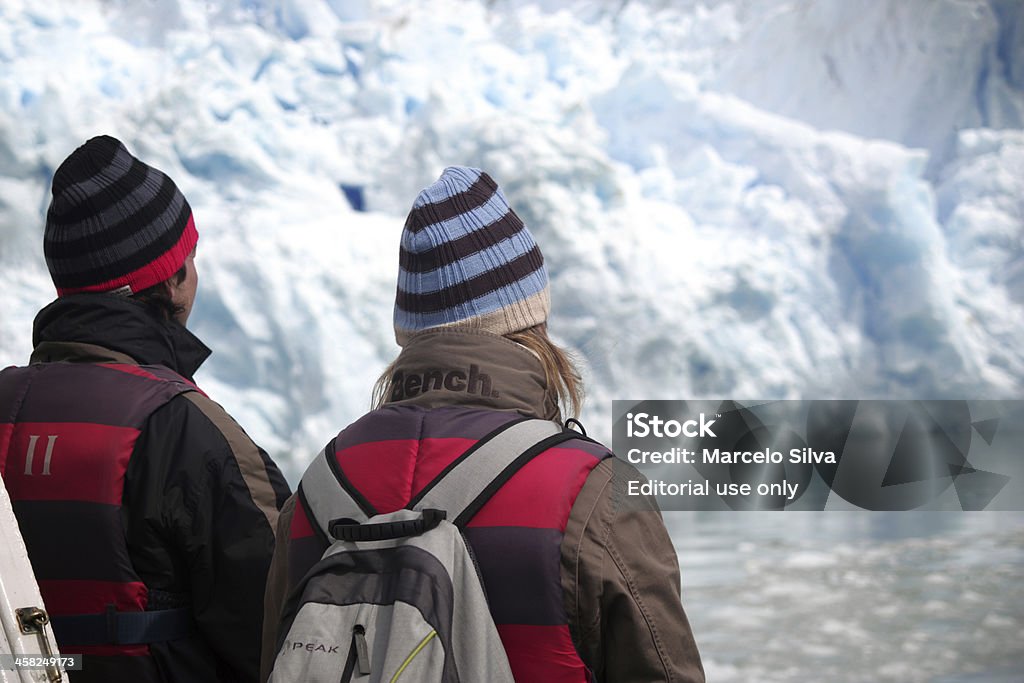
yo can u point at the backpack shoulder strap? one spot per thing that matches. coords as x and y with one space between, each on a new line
327 494
464 488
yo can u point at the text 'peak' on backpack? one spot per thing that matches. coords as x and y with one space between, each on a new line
398 597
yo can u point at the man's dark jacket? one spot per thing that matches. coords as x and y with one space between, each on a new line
200 499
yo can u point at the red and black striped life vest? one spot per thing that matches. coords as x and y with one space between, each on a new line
390 454
67 432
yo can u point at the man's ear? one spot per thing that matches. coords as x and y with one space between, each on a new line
172 284
169 287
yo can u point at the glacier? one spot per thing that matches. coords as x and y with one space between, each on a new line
746 199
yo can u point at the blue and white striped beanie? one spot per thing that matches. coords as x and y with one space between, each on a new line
468 261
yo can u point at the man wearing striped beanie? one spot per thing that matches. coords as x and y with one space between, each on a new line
582 580
116 224
173 506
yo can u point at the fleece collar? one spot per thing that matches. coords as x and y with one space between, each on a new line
444 367
109 328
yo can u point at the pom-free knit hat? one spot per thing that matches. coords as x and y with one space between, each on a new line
114 223
467 260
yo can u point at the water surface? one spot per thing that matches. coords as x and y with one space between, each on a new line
844 597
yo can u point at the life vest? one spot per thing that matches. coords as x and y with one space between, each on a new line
67 432
389 455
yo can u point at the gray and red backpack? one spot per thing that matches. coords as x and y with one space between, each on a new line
398 596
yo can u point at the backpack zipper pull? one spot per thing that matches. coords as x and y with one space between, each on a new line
362 651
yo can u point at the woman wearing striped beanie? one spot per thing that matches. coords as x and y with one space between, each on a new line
170 506
582 581
468 263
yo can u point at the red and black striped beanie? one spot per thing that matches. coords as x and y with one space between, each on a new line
114 223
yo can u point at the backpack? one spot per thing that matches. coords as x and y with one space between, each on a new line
398 596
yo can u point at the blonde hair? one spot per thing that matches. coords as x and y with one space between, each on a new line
563 384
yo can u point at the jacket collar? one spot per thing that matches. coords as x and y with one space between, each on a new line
109 328
445 367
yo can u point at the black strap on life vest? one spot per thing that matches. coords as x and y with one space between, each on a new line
123 628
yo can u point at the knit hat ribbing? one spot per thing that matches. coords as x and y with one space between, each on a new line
467 260
114 222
